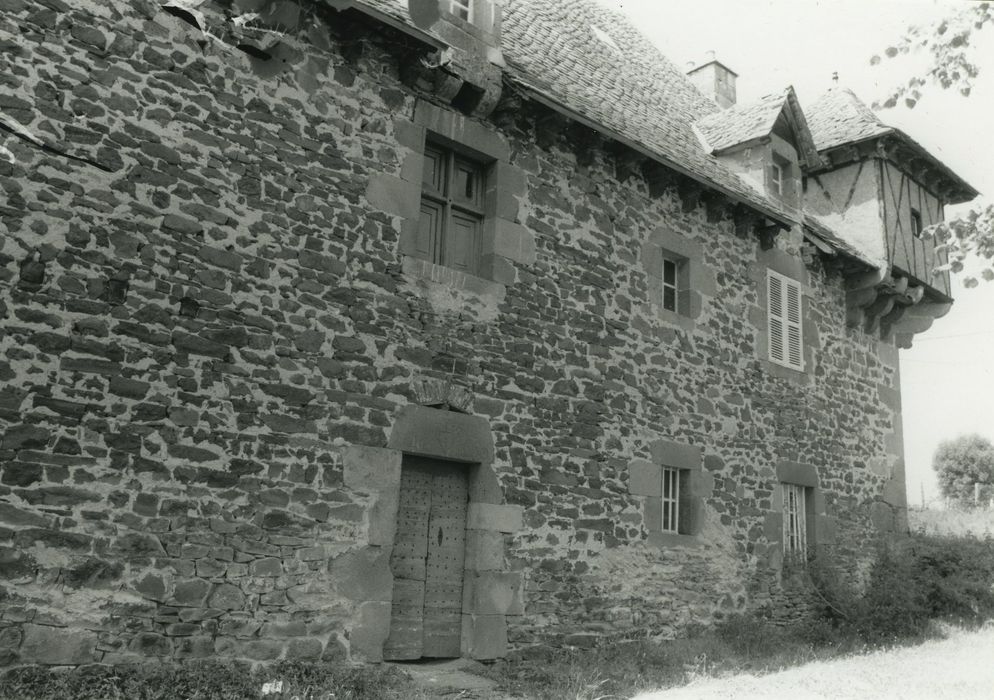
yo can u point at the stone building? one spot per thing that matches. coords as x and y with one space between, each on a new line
337 329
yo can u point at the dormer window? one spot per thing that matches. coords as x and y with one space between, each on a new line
916 223
463 9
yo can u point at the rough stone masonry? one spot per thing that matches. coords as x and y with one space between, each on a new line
215 358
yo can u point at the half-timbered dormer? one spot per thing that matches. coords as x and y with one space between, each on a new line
880 189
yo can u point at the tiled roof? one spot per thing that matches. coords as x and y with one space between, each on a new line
816 227
839 117
743 122
553 50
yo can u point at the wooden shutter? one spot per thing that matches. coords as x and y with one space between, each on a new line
429 230
461 242
784 314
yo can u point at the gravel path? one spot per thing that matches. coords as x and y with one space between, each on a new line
960 667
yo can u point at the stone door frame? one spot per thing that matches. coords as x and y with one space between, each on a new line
491 591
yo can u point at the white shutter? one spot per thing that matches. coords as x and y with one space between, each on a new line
776 318
784 314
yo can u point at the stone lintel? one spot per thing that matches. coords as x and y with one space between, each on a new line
797 473
462 131
676 455
430 432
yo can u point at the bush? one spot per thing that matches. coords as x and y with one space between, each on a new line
913 581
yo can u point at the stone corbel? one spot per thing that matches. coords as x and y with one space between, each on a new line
861 293
549 129
767 233
917 319
659 178
627 163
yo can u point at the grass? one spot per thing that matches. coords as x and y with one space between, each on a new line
740 644
915 582
952 522
209 680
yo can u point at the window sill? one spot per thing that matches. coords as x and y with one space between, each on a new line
425 271
675 319
797 376
669 540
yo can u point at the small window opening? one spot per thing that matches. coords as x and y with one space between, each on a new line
671 500
670 290
795 528
916 223
463 9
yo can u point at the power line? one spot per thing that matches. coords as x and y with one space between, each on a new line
959 335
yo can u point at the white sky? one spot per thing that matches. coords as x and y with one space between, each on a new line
948 377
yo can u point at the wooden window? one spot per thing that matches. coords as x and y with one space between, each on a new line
795 526
451 210
671 290
776 179
671 500
916 223
784 314
463 9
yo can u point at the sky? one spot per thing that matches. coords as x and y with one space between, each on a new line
947 377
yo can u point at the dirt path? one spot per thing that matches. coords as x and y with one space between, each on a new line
958 668
451 679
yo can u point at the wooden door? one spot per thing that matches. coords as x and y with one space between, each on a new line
427 561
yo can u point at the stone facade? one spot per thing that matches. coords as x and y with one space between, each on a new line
214 355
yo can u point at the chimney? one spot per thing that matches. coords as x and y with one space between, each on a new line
714 79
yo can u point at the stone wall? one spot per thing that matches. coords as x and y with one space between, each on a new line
208 331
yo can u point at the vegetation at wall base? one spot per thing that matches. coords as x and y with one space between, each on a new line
915 582
209 680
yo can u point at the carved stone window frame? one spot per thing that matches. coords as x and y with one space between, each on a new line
504 243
